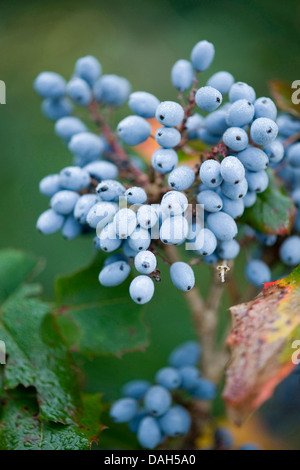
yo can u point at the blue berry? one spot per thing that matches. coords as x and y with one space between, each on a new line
202 55
222 225
56 108
258 272
167 137
112 90
71 228
123 410
136 195
290 251
208 138
63 202
265 107
79 91
147 216
234 207
267 240
263 131
49 185
145 262
88 68
174 203
257 181
182 75
164 160
182 276
208 98
176 422
186 354
68 126
157 400
293 155
241 91
108 239
114 274
50 85
275 151
139 239
189 377
125 222
101 214
206 242
193 124
87 145
253 159
110 190
135 389
83 206
235 191
74 178
149 433
143 104
232 170
181 178
50 222
240 113
235 138
169 113
102 170
210 173
168 377
216 123
222 81
229 249
134 130
173 230
134 423
141 289
211 201
204 390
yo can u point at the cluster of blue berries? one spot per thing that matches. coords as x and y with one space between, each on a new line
84 197
150 410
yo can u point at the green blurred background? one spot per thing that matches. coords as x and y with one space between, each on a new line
255 40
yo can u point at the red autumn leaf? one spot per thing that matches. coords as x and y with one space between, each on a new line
261 342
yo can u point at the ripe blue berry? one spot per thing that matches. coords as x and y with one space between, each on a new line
257 181
68 126
145 262
114 274
176 422
63 202
143 104
141 289
164 160
290 251
136 195
157 400
167 137
241 91
168 377
235 191
79 91
101 214
234 207
147 216
232 170
149 433
49 185
182 75
235 138
240 113
102 170
88 68
50 222
74 178
215 122
210 173
222 225
222 81
265 107
211 200
181 178
169 113
293 155
71 228
123 410
134 130
186 354
208 98
275 151
112 90
258 272
204 390
229 249
56 108
50 85
173 230
202 55
253 159
83 205
182 276
135 389
263 131
87 146
110 190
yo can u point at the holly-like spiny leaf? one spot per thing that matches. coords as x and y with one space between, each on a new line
22 429
261 341
274 211
36 353
96 320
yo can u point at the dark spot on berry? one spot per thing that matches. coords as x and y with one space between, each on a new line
129 194
237 182
165 241
249 104
121 267
160 165
219 206
105 249
218 100
213 180
264 101
188 287
139 299
160 134
172 185
140 247
258 190
240 196
103 189
269 130
147 222
204 253
238 137
161 117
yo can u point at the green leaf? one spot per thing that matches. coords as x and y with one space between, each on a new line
282 94
274 211
15 267
96 320
36 353
21 428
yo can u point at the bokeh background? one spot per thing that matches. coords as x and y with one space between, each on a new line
255 40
